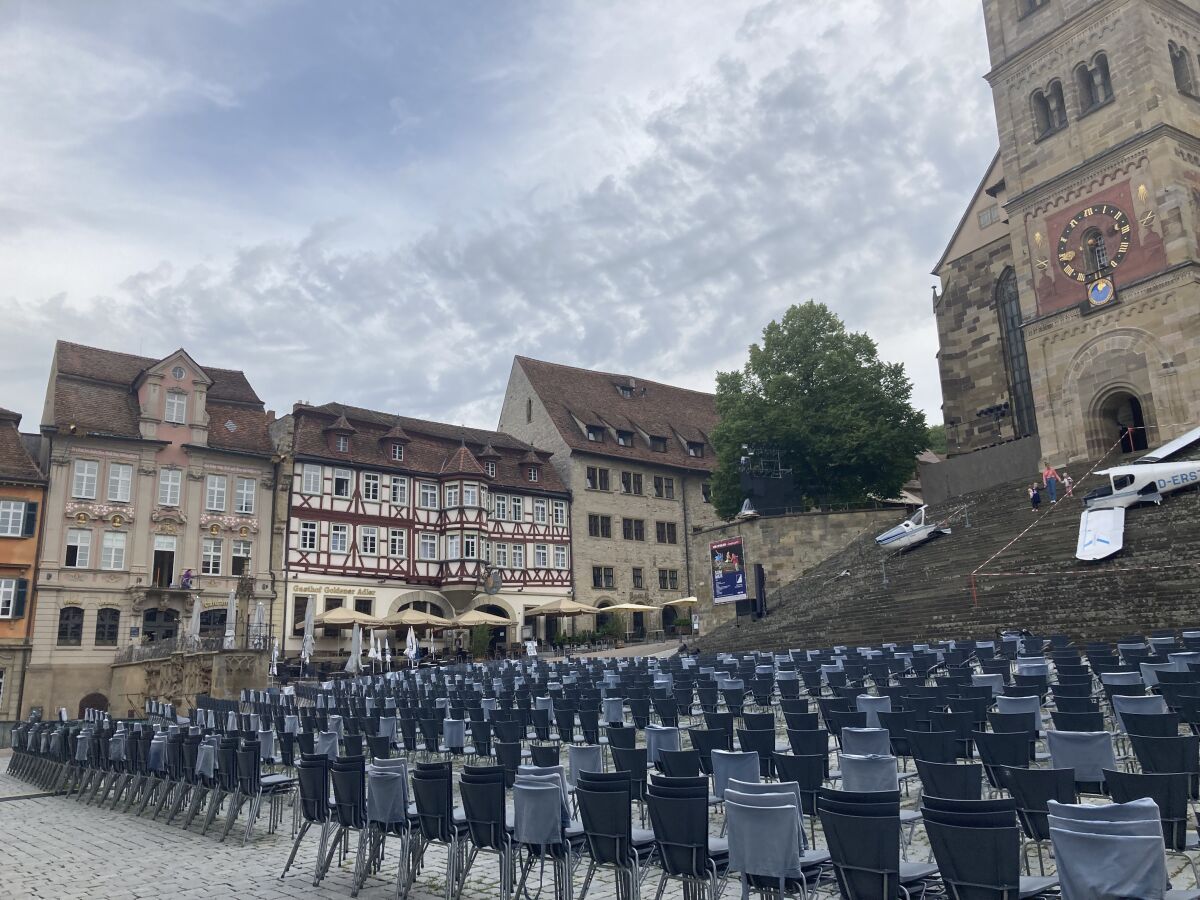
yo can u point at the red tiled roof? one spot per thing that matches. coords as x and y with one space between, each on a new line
433 447
576 398
15 462
94 392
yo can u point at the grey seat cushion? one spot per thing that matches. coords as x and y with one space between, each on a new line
1032 885
912 871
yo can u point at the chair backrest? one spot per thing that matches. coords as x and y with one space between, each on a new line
537 814
740 766
866 741
1169 793
934 746
950 780
779 793
976 862
869 773
432 792
680 763
1109 867
1089 753
681 832
764 844
1033 789
607 824
865 851
583 758
1153 704
1141 810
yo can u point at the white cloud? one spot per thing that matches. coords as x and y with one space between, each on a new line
672 183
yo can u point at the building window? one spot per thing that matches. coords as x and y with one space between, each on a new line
541 556
602 577
341 482
333 603
517 505
625 438
176 407
539 512
311 479
397 452
597 479
79 549
429 495
1016 361
210 557
1049 110
1097 252
343 443
12 518
451 496
1025 7
490 468
470 543
470 495
83 486
239 558
120 482
533 473
502 555
397 543
1093 83
695 448
988 216
658 444
112 551
560 556
706 492
625 391
214 494
299 611
427 546
399 491
308 535
1181 67
169 483
518 556
453 546
664 488
10 607
108 623
499 506
368 540
339 538
599 526
243 498
638 583
633 529
664 532
70 626
364 605
668 579
370 486
560 512
595 433
631 483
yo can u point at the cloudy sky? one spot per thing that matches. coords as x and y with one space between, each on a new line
382 202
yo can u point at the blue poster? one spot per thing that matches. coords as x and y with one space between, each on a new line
728 561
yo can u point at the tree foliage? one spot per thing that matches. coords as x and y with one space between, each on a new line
840 417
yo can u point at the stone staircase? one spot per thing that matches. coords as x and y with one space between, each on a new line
926 593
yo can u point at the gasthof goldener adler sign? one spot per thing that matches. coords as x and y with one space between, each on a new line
728 561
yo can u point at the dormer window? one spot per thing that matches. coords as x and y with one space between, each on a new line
595 433
343 443
397 452
625 438
625 391
658 444
695 448
176 408
490 468
533 473
177 373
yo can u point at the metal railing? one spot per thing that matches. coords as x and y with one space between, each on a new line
245 637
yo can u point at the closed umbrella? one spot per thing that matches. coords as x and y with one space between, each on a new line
307 642
354 663
194 624
231 622
274 657
257 625
411 647
387 654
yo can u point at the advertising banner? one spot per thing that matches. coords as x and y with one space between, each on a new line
728 561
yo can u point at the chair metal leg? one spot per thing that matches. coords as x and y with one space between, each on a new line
214 804
295 846
235 807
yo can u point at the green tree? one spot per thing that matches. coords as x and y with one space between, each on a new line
935 438
840 417
481 638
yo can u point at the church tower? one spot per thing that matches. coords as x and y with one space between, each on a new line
1098 111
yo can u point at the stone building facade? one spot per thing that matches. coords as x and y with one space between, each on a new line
1094 260
22 504
637 458
385 512
157 468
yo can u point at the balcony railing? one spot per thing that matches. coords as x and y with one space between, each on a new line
246 637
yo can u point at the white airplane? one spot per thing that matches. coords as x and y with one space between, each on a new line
1101 533
1142 483
911 532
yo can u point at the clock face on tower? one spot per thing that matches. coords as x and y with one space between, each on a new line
1096 239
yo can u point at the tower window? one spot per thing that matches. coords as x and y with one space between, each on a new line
528 409
1049 110
1016 361
1097 252
1093 83
1025 7
1181 66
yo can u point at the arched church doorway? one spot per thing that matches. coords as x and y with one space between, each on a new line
498 640
1120 416
93 701
669 618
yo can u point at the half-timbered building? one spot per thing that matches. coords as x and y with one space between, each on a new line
386 512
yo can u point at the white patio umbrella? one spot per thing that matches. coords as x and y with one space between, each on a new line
374 652
231 622
387 654
307 642
274 657
256 626
193 631
411 647
354 663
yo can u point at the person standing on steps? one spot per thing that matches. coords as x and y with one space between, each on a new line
1068 483
1050 481
1035 497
